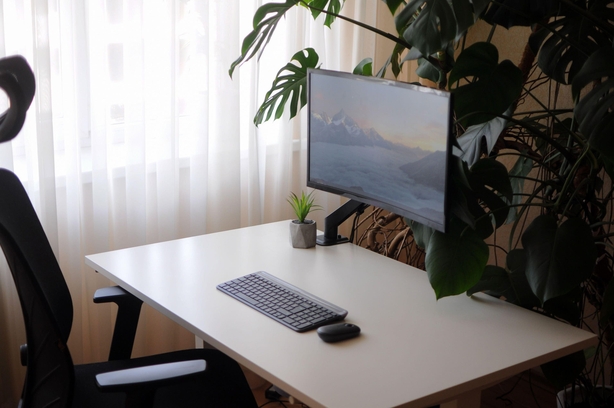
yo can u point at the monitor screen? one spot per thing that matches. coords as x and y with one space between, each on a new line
380 142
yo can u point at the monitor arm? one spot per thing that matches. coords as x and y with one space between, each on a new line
336 218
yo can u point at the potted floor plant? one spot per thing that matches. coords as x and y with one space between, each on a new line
532 192
302 230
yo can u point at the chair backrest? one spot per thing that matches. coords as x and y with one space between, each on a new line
45 300
18 83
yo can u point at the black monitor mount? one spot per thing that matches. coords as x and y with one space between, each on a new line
336 218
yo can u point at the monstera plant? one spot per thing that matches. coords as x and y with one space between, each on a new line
531 187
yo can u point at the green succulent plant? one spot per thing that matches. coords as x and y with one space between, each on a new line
302 205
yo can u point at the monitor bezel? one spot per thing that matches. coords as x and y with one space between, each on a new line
378 201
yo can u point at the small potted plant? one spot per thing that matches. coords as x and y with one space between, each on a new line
302 230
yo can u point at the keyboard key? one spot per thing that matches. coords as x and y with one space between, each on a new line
247 298
283 311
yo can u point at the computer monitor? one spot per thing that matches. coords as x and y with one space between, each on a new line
378 142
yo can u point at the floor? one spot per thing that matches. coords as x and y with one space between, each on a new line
528 390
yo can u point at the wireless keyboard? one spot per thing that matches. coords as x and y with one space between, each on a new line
281 301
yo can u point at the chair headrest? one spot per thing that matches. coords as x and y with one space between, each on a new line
17 80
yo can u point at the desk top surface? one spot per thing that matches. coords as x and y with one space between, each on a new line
413 349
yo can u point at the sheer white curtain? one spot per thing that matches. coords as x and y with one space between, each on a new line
137 134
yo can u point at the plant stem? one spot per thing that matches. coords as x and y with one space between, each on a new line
385 34
569 178
397 39
589 16
536 132
491 33
524 207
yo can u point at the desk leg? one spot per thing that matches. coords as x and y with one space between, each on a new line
467 400
198 342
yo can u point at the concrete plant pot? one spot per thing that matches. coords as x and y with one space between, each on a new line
303 235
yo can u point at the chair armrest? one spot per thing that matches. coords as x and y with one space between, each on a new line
149 377
126 322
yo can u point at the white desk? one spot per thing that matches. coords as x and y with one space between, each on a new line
424 352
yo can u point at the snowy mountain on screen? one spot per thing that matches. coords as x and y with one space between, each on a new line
342 129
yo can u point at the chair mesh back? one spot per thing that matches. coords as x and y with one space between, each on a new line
45 299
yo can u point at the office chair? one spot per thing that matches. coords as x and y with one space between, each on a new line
189 378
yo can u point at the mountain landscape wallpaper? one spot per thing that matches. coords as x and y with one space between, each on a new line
377 140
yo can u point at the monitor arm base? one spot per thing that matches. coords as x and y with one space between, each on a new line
336 218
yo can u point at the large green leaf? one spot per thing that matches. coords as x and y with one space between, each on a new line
516 263
458 190
559 258
265 21
459 206
433 28
510 283
394 61
422 233
483 225
426 69
595 111
429 71
408 15
509 13
492 173
429 25
492 86
566 307
333 7
470 142
479 6
495 281
465 191
393 5
473 191
496 204
463 13
567 41
364 67
455 260
289 84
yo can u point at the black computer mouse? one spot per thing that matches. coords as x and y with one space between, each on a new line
338 331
